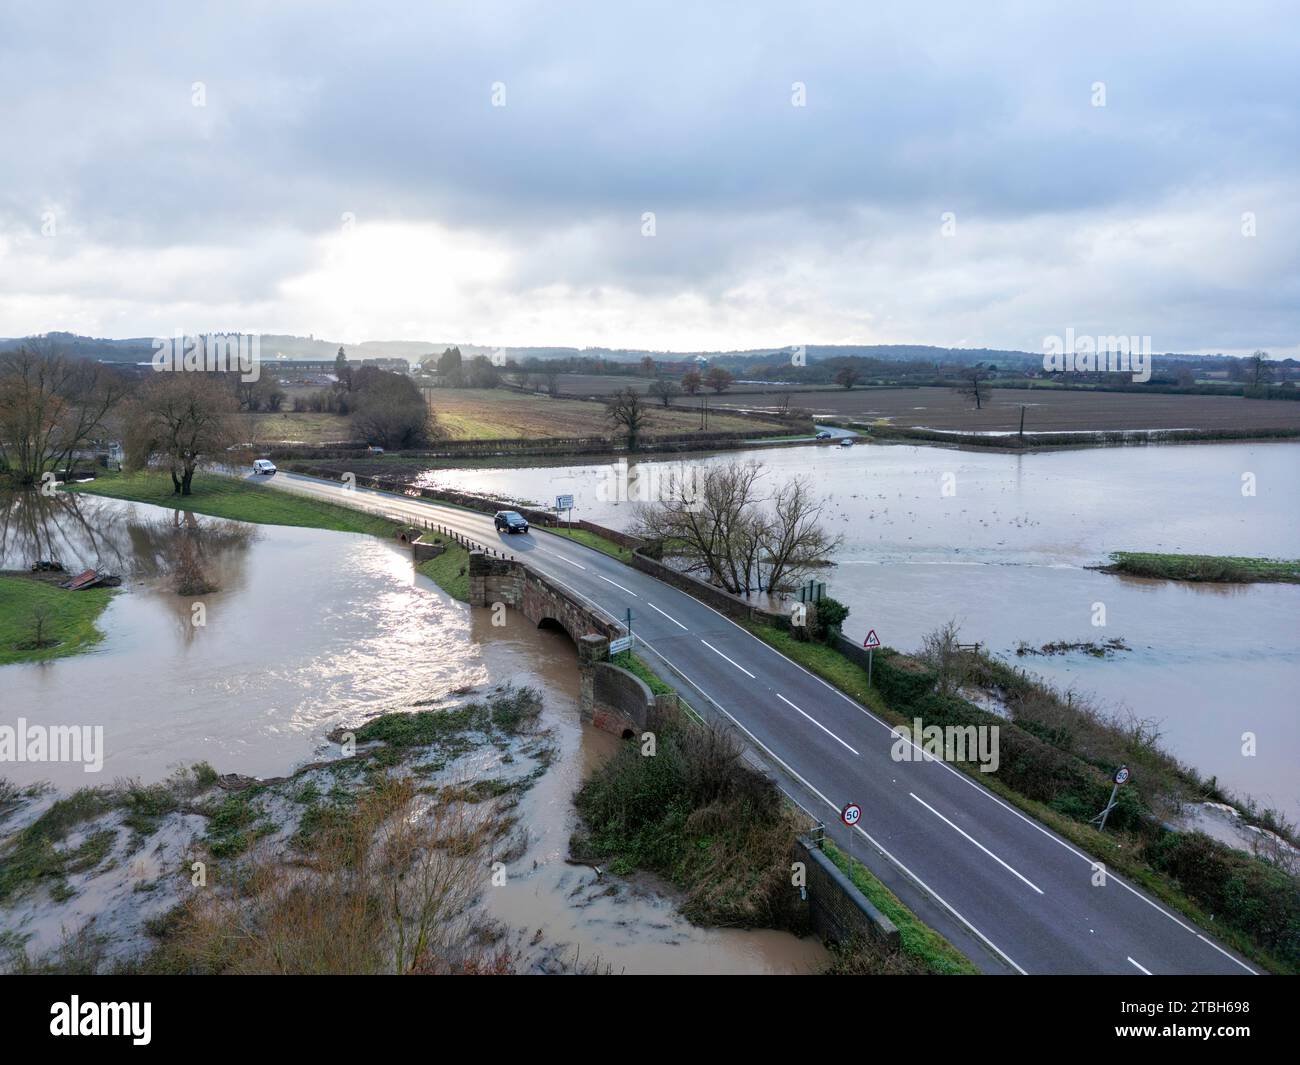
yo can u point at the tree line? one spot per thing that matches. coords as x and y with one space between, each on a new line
54 408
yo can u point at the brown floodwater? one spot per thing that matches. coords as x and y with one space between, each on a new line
308 630
1000 543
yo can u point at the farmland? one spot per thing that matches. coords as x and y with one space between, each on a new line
486 414
493 414
1046 410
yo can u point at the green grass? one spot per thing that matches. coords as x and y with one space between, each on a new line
449 571
1219 568
228 497
591 539
919 941
70 619
825 662
635 666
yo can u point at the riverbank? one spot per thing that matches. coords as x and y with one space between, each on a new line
230 497
1221 569
372 862
40 621
879 432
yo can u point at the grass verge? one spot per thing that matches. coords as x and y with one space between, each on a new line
67 620
229 497
919 941
449 571
591 539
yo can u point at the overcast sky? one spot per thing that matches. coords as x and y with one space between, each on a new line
349 175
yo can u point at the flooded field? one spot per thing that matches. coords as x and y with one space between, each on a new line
309 630
1001 542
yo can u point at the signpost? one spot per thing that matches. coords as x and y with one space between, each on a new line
1122 775
870 643
851 814
623 643
565 503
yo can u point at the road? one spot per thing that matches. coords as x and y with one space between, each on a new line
1030 897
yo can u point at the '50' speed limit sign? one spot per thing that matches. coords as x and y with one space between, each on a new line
851 814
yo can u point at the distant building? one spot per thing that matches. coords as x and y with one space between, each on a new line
392 365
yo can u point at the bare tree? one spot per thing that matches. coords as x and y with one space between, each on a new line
941 651
180 420
664 389
691 382
847 376
724 528
625 408
974 386
50 407
1258 369
552 382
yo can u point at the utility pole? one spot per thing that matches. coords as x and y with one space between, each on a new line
1022 421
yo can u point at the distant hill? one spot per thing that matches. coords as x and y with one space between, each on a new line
138 349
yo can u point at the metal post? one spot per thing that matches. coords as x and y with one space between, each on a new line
1109 806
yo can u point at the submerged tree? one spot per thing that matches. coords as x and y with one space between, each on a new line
722 525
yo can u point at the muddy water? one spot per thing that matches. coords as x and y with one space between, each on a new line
626 926
311 629
999 542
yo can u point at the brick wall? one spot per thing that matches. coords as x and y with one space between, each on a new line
621 701
838 911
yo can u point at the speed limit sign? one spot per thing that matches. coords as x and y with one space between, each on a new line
1122 775
851 814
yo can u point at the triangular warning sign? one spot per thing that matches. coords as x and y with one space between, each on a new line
872 639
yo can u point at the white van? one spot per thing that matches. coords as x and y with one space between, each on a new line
263 466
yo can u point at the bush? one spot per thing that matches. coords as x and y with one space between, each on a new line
902 680
695 813
830 615
1246 894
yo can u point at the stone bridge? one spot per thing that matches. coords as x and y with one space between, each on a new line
610 697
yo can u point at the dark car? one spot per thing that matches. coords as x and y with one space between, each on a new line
824 435
509 521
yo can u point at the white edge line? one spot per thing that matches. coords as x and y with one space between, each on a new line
818 724
1146 972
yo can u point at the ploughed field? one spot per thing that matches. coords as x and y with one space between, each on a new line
488 414
1046 409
